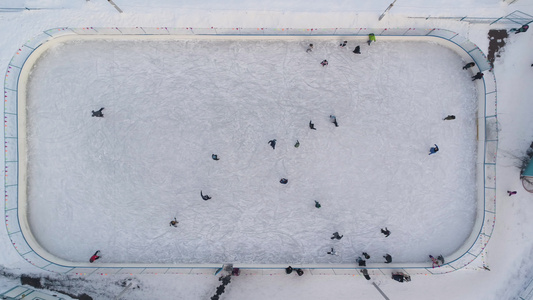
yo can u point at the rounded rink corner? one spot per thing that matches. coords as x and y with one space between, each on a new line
15 180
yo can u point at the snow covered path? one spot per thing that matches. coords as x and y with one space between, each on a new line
115 183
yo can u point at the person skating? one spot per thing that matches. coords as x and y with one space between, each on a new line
288 270
433 150
283 181
98 113
94 257
441 259
309 48
343 44
360 262
332 252
214 157
434 261
469 65
357 50
333 120
479 75
524 28
205 197
300 272
174 223
388 258
317 205
366 255
336 236
385 231
449 117
371 38
311 125
297 144
511 193
324 63
272 143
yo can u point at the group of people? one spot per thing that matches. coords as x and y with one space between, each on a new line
356 50
333 119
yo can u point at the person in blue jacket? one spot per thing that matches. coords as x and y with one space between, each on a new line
433 150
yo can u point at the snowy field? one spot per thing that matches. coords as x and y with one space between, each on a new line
114 183
509 252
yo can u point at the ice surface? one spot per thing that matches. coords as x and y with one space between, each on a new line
114 183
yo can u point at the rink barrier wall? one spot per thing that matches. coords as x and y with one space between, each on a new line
15 181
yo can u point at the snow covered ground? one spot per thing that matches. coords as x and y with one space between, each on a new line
510 247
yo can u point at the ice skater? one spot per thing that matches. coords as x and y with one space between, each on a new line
479 75
336 236
360 262
371 38
524 28
357 50
433 150
366 255
288 270
317 204
300 272
434 261
174 222
283 181
309 48
385 231
333 120
94 257
297 144
469 65
98 113
332 252
205 197
449 117
272 143
311 125
441 259
214 157
343 44
324 63
511 193
388 258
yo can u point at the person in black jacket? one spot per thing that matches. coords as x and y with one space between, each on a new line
336 236
469 65
98 113
205 197
479 75
272 143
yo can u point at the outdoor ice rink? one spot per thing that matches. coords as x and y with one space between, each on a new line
114 183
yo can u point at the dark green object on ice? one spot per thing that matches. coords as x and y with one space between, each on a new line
317 205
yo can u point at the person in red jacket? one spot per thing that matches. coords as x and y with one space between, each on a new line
95 256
